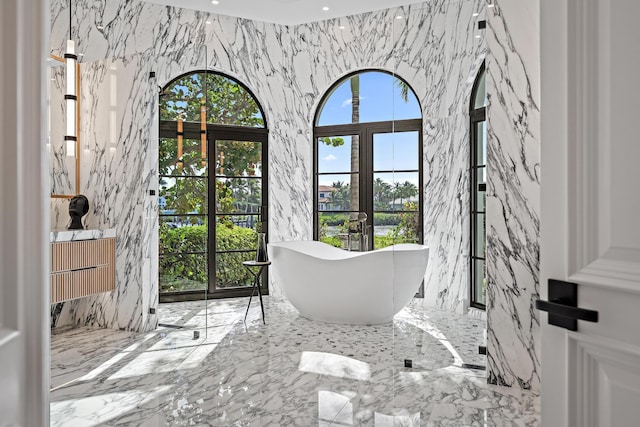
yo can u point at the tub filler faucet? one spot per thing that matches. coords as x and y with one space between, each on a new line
358 232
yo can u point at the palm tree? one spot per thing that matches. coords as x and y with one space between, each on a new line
338 193
409 189
381 193
355 146
398 193
355 139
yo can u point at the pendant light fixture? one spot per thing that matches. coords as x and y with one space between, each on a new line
180 136
203 133
71 97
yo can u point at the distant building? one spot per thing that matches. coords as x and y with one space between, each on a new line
325 199
398 204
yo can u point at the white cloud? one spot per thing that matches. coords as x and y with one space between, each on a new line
329 158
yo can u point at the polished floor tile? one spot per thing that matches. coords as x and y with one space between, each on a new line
206 367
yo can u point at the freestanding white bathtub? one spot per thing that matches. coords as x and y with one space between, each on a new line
333 285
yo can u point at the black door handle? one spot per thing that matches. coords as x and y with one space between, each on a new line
563 305
560 309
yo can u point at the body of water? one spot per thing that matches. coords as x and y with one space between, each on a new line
379 230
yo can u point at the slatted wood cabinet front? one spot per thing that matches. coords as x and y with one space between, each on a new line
81 268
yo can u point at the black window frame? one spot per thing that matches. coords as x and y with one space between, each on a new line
366 131
214 132
476 115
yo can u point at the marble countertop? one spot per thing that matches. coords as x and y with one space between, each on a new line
71 235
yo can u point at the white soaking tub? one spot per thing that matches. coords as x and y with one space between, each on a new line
333 285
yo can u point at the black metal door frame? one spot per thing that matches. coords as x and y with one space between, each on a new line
220 132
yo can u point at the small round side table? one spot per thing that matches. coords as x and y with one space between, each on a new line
261 265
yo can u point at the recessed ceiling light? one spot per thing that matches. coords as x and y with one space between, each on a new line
207 22
325 8
341 27
100 27
478 36
476 14
215 2
399 17
490 5
81 54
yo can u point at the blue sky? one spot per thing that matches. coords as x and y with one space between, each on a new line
380 100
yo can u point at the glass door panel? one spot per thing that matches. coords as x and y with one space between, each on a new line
239 201
337 187
183 219
338 154
478 205
396 187
481 140
334 193
236 241
396 151
480 281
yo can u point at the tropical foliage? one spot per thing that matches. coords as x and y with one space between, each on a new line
183 270
385 195
191 102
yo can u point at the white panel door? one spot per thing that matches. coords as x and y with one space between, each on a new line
590 223
24 326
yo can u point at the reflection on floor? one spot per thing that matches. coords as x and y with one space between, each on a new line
291 372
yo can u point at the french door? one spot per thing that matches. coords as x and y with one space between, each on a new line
218 190
383 179
238 200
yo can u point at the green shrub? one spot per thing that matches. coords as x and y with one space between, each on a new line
334 219
181 270
332 240
380 218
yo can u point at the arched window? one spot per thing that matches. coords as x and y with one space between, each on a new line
213 185
368 160
478 193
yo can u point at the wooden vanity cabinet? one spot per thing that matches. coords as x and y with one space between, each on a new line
81 268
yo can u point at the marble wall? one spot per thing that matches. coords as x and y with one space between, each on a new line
116 175
513 193
289 68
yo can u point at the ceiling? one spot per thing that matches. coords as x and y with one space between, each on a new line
286 12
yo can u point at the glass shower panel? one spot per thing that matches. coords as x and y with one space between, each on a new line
183 207
238 208
435 342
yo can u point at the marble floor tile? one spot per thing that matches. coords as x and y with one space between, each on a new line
290 372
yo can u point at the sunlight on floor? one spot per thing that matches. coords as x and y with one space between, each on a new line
335 408
334 365
95 410
291 371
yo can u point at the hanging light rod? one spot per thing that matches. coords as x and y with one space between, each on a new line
71 96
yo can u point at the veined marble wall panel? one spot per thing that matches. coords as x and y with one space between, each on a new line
289 68
94 142
61 166
513 193
119 103
446 207
441 59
